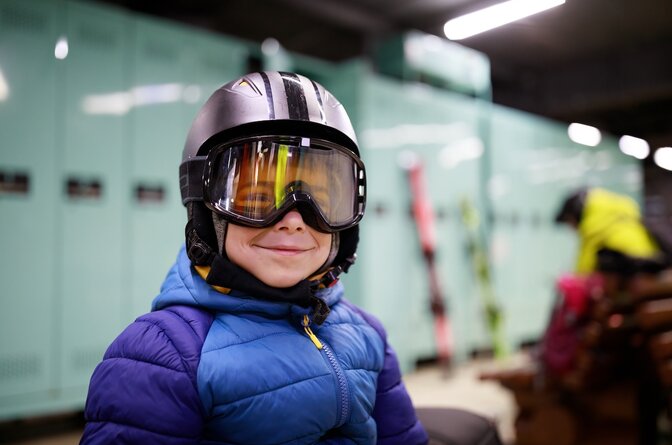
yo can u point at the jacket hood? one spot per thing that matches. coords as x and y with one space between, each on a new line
603 208
184 286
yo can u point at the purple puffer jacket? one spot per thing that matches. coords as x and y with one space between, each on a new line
172 377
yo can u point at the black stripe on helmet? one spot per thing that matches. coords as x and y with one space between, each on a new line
296 97
319 102
269 96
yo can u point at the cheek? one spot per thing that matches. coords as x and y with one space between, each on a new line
324 245
237 240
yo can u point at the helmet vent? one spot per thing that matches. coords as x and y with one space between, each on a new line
245 87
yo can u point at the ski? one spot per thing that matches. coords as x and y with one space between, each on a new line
423 215
492 312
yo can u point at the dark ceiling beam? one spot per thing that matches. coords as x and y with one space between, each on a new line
592 86
342 14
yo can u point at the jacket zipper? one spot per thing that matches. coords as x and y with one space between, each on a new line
342 384
306 327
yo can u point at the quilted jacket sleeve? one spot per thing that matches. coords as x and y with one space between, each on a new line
144 390
394 413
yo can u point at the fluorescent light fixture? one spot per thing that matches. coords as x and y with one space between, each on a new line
635 147
61 49
584 134
663 158
494 16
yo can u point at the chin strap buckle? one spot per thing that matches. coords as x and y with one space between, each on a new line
199 251
321 309
331 277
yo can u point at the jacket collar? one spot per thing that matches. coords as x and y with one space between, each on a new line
184 285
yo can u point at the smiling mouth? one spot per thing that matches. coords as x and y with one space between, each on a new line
285 250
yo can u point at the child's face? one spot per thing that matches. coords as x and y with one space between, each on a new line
280 255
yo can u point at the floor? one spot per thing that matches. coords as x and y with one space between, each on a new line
429 386
461 388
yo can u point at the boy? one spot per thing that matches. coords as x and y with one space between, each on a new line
250 340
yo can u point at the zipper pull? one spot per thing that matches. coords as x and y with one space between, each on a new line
306 327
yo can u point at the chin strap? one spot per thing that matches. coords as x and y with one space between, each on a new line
226 274
321 309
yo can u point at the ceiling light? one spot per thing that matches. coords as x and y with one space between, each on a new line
584 134
663 158
635 147
494 16
61 49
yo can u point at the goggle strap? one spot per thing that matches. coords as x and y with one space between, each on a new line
191 179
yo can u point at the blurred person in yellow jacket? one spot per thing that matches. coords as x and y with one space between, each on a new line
613 237
606 220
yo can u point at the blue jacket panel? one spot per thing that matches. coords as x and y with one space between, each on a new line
206 367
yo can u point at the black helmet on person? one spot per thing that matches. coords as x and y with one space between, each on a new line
571 209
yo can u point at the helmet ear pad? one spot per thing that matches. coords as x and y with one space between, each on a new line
347 245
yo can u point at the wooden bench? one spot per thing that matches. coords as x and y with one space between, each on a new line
623 358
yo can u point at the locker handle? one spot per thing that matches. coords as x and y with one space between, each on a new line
78 188
145 194
14 183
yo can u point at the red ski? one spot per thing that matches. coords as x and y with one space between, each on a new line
423 214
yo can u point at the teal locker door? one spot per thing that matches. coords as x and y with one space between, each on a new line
208 62
555 167
181 68
397 119
454 173
511 139
386 285
28 196
158 131
93 191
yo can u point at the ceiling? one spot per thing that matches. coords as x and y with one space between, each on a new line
601 62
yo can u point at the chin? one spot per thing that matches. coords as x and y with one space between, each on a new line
281 282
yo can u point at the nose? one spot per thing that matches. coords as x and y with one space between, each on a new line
291 222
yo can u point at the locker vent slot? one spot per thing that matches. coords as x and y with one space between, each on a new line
19 366
86 359
23 19
77 188
216 64
161 52
14 183
96 37
149 194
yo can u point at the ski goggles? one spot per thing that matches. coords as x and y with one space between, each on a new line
254 182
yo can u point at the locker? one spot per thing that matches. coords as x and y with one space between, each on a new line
158 132
175 71
29 193
93 191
